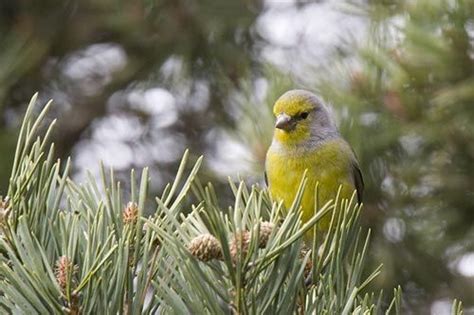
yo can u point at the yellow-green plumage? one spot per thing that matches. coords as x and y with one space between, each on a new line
305 138
330 165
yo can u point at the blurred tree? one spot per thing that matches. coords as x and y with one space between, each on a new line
410 93
90 55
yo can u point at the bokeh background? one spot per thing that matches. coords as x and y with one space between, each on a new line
137 82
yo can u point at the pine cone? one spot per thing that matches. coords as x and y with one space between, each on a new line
205 247
266 229
239 245
130 213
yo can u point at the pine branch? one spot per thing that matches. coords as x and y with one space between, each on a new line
80 248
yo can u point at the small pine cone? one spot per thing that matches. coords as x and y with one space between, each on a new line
266 228
205 247
239 245
64 269
130 213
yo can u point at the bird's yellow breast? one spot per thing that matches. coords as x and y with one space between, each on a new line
329 164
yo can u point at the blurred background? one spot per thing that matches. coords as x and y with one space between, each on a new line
137 82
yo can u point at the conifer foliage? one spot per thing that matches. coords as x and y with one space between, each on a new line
88 248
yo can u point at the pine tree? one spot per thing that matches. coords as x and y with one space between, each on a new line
82 249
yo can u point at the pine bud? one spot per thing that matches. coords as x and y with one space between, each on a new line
239 245
266 229
205 247
64 270
130 213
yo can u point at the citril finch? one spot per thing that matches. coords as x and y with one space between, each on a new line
306 138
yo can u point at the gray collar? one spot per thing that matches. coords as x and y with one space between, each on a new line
313 143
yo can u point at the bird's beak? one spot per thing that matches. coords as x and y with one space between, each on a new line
284 122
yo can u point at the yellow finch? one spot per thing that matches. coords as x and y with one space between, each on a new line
305 138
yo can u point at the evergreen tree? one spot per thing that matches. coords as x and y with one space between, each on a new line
81 249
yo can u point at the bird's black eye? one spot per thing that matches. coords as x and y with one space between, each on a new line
304 115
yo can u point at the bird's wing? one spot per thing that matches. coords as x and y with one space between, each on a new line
358 180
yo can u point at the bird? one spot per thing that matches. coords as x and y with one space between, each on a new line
306 139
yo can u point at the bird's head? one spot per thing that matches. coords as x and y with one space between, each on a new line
300 117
